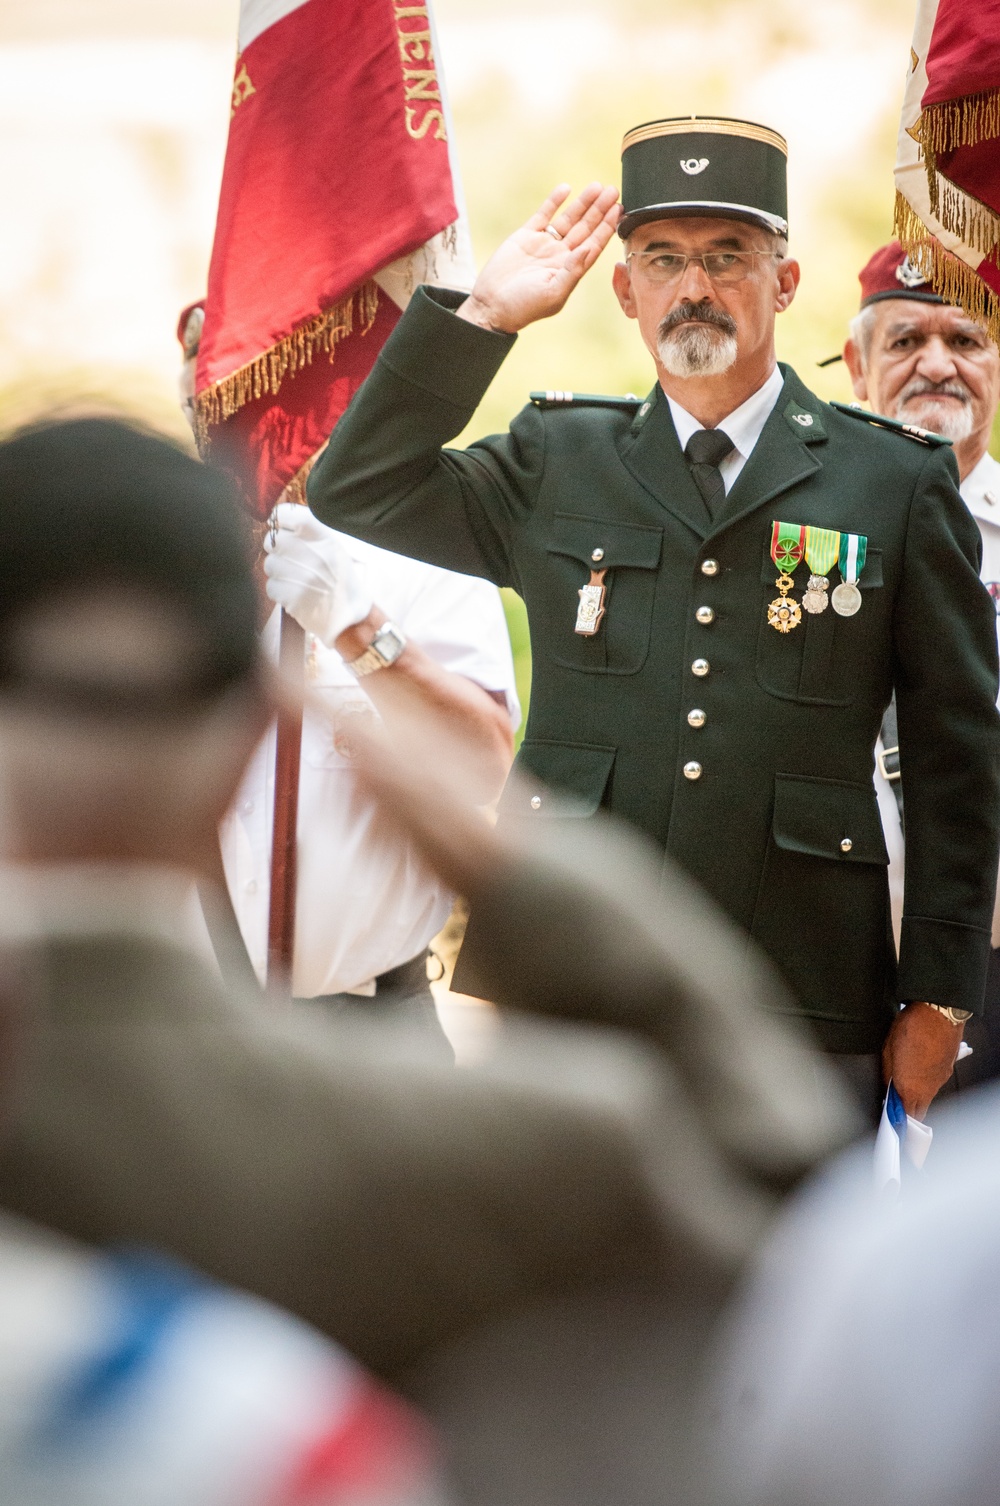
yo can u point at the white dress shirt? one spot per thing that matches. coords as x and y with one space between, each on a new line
981 494
365 901
743 426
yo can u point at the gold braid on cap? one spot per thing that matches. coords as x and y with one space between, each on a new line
686 125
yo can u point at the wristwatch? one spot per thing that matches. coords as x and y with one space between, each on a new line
956 1016
384 649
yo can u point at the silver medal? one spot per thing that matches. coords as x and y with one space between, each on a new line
815 599
591 608
846 599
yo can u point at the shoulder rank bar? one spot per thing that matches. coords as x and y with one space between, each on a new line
557 399
922 436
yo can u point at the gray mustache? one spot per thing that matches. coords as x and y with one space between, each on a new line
701 313
921 388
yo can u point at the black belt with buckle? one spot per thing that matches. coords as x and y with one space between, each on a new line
888 762
408 977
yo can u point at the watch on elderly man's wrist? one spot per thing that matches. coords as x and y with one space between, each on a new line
384 649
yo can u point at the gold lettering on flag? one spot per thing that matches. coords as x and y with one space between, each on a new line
420 84
242 89
415 46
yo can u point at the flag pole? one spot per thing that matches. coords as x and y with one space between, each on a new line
287 759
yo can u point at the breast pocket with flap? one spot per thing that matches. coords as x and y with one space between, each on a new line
818 661
629 554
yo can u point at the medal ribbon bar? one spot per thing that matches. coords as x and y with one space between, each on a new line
853 552
822 549
788 543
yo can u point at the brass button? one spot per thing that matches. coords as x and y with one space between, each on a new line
710 567
700 667
692 770
536 802
846 845
705 615
696 718
597 554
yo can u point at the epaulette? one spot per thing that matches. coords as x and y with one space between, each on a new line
922 436
587 399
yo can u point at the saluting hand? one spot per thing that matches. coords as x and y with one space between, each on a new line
533 273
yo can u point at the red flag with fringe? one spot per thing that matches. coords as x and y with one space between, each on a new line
337 179
948 157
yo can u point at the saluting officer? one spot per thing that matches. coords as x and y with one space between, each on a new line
724 583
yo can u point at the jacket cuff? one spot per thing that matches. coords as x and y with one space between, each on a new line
433 349
942 962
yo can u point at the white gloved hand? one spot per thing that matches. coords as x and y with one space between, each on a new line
311 574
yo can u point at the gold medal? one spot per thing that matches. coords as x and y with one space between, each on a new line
815 599
591 608
784 612
788 542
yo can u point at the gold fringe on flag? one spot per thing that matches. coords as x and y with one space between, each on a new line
967 218
943 128
953 278
958 122
266 372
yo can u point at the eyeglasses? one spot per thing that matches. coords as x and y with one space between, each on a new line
726 267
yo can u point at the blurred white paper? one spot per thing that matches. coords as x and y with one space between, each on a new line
899 1134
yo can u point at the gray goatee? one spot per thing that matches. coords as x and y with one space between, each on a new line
696 339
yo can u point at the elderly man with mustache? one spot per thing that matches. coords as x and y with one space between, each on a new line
725 582
923 361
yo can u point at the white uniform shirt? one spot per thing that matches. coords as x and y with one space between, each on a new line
744 426
365 901
981 494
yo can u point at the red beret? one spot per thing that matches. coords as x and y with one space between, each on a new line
890 274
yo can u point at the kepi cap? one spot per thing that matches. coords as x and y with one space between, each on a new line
704 165
891 274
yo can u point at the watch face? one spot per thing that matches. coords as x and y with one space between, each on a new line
388 643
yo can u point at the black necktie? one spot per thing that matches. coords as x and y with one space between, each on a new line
704 453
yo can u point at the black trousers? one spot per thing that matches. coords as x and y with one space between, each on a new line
402 994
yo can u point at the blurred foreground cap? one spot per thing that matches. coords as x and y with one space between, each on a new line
891 274
104 507
700 165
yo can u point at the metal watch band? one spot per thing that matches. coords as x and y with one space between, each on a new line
956 1016
384 649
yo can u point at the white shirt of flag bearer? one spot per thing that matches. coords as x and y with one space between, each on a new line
365 900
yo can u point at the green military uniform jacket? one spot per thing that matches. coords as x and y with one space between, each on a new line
782 826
